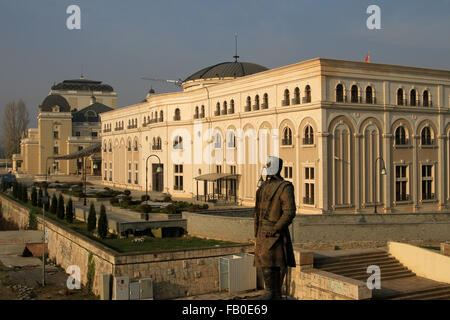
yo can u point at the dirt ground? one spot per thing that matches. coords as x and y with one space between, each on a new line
25 284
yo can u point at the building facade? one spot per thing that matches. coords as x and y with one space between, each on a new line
354 137
68 121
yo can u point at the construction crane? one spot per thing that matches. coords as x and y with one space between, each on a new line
175 82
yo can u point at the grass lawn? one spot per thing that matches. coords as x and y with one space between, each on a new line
126 245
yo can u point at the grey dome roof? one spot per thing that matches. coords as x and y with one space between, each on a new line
227 70
83 85
54 100
90 113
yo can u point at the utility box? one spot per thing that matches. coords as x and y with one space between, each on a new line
134 291
146 289
121 290
237 273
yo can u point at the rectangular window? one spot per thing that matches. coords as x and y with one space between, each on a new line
129 172
55 134
55 150
288 172
178 177
77 134
105 169
309 186
219 169
401 183
233 169
94 134
427 182
136 173
110 171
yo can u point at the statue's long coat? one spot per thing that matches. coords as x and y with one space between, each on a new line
274 210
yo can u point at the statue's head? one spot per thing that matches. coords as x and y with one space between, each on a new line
274 166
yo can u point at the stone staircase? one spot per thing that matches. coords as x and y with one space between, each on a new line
393 275
355 265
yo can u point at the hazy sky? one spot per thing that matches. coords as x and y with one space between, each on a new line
122 41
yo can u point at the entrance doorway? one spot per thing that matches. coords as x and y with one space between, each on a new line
157 178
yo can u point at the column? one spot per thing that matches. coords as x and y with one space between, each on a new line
323 171
357 160
415 173
440 179
388 178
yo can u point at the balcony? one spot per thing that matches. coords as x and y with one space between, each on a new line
402 197
284 103
202 115
196 116
401 143
161 119
230 111
296 100
217 113
264 106
223 112
286 142
106 130
428 196
256 107
176 118
247 108
308 200
309 140
306 99
156 147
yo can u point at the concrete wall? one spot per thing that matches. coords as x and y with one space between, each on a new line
175 273
423 262
319 229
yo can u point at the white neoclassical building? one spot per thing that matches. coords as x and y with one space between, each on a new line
354 137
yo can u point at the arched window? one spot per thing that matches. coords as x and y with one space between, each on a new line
129 145
307 96
177 115
161 116
136 146
287 137
110 147
217 112
231 139
225 108
400 136
248 106
159 143
256 106
369 94
178 143
285 102
413 97
265 104
196 114
426 137
296 99
354 94
202 114
218 141
426 99
339 93
309 135
400 97
231 107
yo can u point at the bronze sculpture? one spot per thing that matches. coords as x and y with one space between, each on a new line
274 212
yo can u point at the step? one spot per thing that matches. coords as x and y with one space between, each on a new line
383 275
382 270
327 260
358 262
430 293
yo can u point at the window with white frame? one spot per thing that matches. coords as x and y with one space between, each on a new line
401 183
288 172
309 186
178 177
427 182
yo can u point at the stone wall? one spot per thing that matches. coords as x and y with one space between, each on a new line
445 248
175 273
373 229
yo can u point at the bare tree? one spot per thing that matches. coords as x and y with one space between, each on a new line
15 124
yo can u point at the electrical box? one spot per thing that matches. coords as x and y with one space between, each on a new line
146 289
134 291
121 289
237 273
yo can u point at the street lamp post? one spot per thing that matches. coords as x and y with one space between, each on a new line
382 172
84 173
44 202
146 173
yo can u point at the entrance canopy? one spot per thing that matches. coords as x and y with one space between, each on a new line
216 176
224 186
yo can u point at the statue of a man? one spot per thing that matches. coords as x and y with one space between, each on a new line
274 212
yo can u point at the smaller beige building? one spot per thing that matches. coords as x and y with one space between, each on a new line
68 121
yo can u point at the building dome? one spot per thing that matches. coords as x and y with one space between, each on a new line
227 70
83 85
54 100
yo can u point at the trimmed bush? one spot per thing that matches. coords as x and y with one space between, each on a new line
54 204
145 198
171 209
34 197
127 192
16 189
24 196
60 209
92 219
103 223
47 205
69 211
145 208
114 201
32 221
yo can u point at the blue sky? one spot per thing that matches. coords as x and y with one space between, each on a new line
122 41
